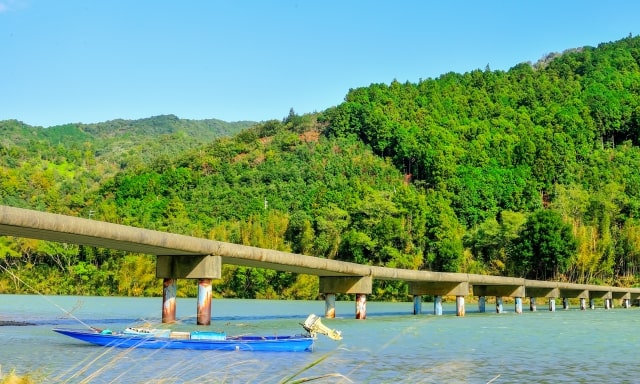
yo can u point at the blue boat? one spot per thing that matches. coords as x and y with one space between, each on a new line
166 339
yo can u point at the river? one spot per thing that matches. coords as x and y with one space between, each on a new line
390 346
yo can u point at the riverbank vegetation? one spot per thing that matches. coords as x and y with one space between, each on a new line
530 172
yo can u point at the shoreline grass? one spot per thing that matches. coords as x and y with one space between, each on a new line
13 378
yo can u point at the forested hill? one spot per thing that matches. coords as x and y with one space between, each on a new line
47 168
562 134
530 172
108 133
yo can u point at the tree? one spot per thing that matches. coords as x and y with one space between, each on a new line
544 247
444 235
491 241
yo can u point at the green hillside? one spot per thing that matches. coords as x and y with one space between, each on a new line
530 172
66 161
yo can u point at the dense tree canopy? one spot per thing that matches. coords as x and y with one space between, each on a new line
544 247
527 172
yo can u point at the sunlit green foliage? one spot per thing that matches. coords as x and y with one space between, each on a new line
543 248
527 172
487 142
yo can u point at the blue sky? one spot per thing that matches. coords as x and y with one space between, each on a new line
91 61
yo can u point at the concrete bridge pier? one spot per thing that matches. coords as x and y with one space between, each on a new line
499 304
532 304
535 289
361 306
204 302
583 303
518 305
417 304
169 289
625 299
201 268
489 287
606 295
437 305
482 301
359 286
568 291
330 305
460 310
552 304
439 289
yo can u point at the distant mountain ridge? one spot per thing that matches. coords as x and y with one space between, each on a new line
207 129
120 142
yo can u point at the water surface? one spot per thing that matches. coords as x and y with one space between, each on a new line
390 346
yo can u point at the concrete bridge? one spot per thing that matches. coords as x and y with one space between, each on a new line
185 257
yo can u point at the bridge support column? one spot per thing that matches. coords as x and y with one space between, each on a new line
499 304
204 302
202 268
460 310
437 305
583 304
360 286
361 306
518 305
565 303
532 304
417 304
330 305
552 304
169 300
592 304
438 289
482 304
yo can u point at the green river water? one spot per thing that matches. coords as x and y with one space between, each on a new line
391 346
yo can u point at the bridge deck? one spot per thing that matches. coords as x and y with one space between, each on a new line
68 229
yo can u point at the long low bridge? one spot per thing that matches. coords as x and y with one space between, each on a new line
186 257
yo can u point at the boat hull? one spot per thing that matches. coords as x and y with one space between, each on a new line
298 343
